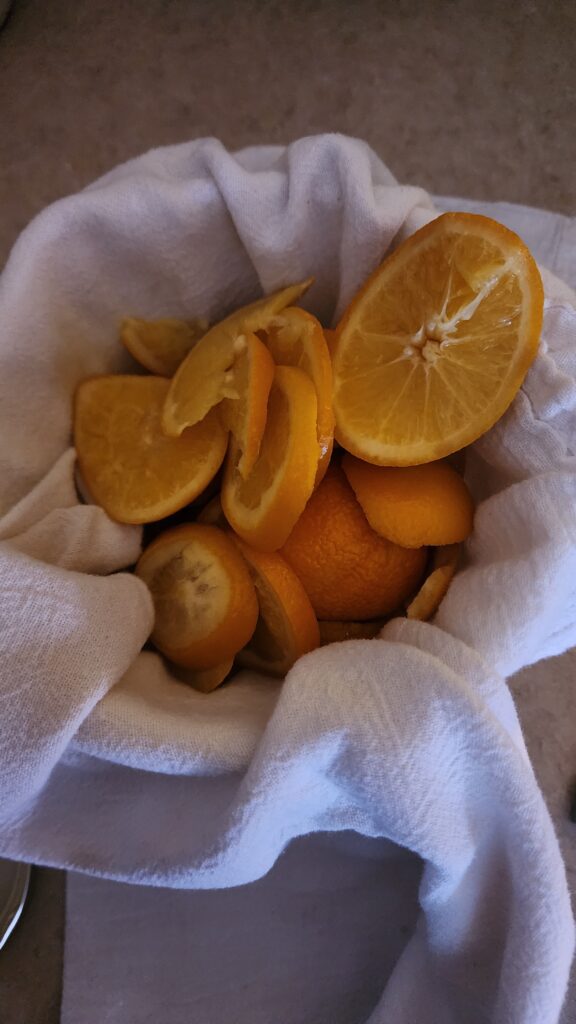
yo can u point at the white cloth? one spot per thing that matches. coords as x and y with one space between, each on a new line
110 766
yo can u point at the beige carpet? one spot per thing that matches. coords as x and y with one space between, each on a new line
462 97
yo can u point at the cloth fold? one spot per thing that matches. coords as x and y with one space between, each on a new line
111 766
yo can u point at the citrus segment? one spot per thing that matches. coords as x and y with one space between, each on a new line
130 468
204 600
296 338
201 380
435 586
347 570
287 627
244 411
263 508
412 505
161 345
433 349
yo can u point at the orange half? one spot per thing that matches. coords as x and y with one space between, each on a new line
135 472
433 349
205 603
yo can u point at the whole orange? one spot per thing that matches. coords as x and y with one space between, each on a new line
347 570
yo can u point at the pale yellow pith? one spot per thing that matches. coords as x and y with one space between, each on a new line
191 593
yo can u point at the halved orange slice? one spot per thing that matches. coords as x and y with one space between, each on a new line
202 379
205 603
161 345
433 349
244 411
287 627
296 338
135 472
435 587
263 508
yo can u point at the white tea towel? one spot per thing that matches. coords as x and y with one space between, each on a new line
109 765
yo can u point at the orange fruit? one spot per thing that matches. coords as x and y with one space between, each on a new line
433 349
161 345
435 586
335 632
263 508
347 570
295 338
202 380
207 679
204 600
245 414
412 505
287 627
135 472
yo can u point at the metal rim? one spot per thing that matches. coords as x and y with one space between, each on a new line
12 906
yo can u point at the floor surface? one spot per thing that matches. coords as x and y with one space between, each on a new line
464 98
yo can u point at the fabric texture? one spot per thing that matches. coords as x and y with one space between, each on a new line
110 765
